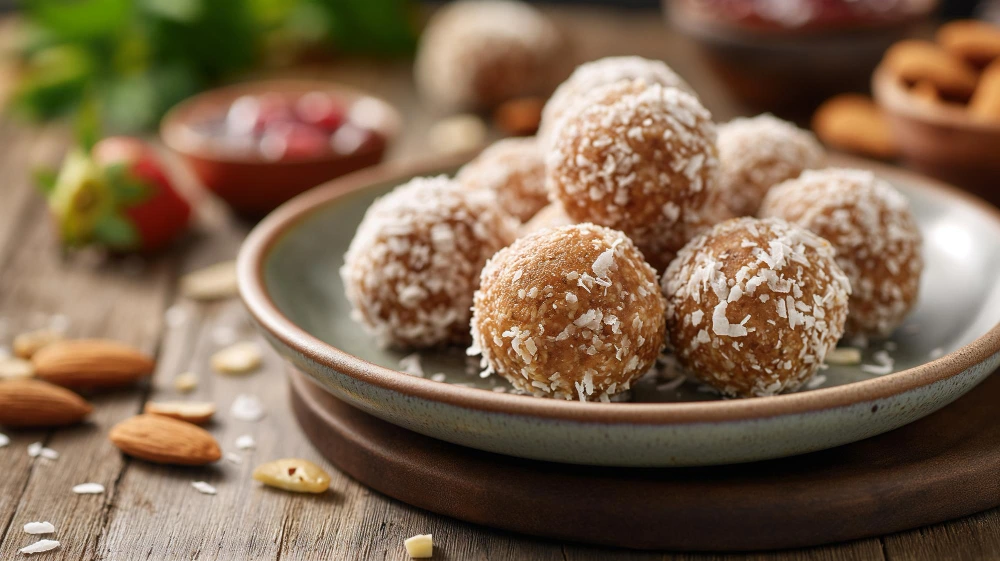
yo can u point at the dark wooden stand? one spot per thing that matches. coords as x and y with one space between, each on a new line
942 467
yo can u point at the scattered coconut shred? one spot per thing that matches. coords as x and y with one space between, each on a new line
36 449
411 365
88 489
40 547
203 487
4 440
883 364
247 408
36 528
246 442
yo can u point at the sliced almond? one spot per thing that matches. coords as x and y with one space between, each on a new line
186 382
34 403
15 369
240 358
27 344
420 546
164 440
91 363
293 474
211 283
198 413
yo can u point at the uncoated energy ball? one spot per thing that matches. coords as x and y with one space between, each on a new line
874 233
571 312
414 263
640 158
476 54
757 153
754 306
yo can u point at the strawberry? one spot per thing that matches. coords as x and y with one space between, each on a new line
118 197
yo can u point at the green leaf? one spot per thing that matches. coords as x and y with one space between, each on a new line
45 180
116 232
88 123
80 19
125 189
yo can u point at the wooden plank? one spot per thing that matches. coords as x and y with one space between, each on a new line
117 298
974 537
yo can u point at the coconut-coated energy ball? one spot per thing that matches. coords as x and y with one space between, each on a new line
570 313
757 153
875 235
414 263
476 54
514 170
754 306
601 72
640 158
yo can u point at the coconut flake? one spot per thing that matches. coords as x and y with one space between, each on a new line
36 449
247 408
233 458
40 546
39 528
844 356
411 365
4 440
246 442
88 489
203 487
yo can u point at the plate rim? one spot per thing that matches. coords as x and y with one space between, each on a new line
256 248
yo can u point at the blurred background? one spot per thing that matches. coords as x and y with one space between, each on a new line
262 99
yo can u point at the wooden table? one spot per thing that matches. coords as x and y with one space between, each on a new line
152 512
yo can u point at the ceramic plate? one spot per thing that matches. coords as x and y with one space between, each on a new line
288 270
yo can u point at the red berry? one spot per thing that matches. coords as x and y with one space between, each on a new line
162 214
293 141
322 110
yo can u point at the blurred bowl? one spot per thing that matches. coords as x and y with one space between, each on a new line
941 140
252 184
789 70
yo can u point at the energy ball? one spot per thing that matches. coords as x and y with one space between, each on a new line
514 170
476 54
754 306
640 158
414 263
602 72
874 233
756 154
570 313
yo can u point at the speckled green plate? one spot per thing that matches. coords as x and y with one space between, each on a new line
289 281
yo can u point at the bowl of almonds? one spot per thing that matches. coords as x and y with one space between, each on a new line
942 102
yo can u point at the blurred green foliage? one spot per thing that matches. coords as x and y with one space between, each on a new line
133 59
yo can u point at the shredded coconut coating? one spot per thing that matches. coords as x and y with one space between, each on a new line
756 154
570 313
413 265
754 306
638 158
552 215
876 237
514 170
475 54
601 72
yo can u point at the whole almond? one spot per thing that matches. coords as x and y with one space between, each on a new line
164 440
91 363
195 412
33 403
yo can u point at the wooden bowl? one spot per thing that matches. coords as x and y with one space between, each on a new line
939 140
250 183
788 71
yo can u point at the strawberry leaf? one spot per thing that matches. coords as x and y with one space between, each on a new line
116 232
126 189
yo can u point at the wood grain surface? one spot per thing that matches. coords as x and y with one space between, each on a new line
152 512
